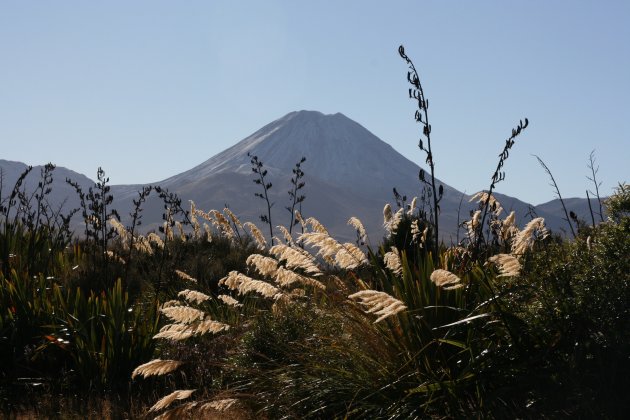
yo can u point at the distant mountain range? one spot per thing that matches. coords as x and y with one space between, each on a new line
348 172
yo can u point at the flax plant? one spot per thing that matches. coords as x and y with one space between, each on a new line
422 116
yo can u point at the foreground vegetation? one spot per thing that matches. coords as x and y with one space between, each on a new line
209 318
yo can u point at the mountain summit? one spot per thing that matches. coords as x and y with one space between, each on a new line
338 150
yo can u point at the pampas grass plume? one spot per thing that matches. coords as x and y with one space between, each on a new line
508 265
185 276
266 266
182 314
379 303
257 235
392 261
295 258
172 397
229 300
193 296
156 367
446 279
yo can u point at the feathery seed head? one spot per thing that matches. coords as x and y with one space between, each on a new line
483 196
229 300
244 284
170 398
446 279
379 303
508 265
412 206
257 235
299 218
155 239
185 276
349 256
266 266
295 258
525 239
327 245
315 225
387 214
219 405
183 314
193 296
120 229
356 223
232 217
286 278
156 367
392 261
285 233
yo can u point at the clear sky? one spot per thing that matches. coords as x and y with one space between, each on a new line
148 89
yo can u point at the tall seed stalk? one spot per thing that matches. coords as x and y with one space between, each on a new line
296 186
258 169
497 177
422 117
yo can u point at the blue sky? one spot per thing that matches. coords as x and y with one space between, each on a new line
148 89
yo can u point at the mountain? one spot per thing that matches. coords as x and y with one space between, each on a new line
62 194
348 172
